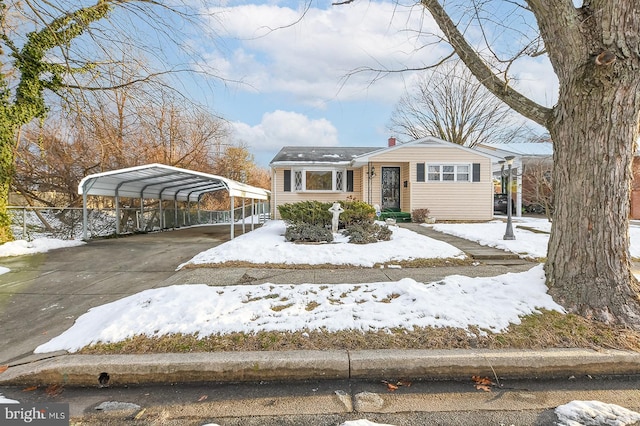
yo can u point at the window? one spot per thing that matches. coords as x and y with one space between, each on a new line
446 173
339 180
298 180
322 180
434 173
462 173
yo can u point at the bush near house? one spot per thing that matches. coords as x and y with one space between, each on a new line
420 215
317 213
310 221
307 233
310 212
367 233
357 212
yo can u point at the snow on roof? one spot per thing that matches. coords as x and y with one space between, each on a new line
522 149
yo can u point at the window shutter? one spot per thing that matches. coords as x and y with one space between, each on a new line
287 180
420 172
476 172
349 180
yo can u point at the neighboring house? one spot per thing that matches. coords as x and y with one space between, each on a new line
531 171
452 181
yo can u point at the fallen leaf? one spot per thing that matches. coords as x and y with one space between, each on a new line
403 383
482 383
484 388
54 390
30 388
391 387
140 414
3 368
202 398
482 380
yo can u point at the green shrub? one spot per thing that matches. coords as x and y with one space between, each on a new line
419 215
356 212
309 212
317 213
367 233
305 232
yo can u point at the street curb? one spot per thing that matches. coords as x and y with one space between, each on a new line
83 370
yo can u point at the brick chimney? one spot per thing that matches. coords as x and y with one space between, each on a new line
392 141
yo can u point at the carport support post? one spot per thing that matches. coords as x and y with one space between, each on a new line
243 215
175 211
198 210
232 224
142 225
160 214
253 211
117 213
85 215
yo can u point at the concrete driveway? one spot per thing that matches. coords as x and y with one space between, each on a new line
44 293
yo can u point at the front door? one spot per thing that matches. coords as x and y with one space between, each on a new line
391 188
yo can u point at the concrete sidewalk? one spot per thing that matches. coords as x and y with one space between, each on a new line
43 295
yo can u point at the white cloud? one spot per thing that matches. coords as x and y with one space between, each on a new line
276 49
282 128
537 80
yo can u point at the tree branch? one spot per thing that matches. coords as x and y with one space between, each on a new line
482 72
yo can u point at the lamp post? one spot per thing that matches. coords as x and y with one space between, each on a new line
508 235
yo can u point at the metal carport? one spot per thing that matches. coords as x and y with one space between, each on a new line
161 182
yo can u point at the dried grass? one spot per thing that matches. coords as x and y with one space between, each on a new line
540 331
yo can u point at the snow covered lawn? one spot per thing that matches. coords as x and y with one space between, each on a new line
528 244
267 245
457 301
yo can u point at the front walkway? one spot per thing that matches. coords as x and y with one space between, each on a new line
472 249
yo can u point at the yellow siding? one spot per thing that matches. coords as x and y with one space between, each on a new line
445 200
280 197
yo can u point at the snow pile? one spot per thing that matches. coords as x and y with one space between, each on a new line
595 413
490 303
41 245
527 243
5 400
267 245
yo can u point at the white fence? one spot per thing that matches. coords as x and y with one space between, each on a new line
29 223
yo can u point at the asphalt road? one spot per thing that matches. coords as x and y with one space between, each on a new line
331 402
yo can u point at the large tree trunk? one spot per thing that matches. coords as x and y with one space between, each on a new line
594 134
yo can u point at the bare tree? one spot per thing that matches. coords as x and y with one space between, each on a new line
449 103
594 51
61 47
119 128
537 191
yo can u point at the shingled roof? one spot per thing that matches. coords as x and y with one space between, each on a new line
320 155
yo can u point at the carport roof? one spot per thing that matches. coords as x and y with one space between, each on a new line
159 181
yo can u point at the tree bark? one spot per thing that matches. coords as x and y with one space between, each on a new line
594 130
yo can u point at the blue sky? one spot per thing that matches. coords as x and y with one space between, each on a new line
285 74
